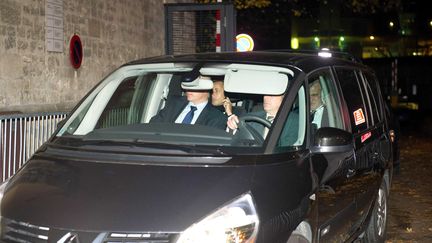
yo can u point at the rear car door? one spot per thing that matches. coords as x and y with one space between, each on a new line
378 146
366 129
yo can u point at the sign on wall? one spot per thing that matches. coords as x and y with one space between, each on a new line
75 51
54 25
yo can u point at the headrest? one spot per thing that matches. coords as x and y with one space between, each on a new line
201 83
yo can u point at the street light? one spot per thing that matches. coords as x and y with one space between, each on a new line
294 43
430 23
372 37
316 42
341 43
391 24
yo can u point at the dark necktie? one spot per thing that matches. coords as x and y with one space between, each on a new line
312 115
189 116
270 119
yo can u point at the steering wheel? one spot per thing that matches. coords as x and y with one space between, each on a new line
247 132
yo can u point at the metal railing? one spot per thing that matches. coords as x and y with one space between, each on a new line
21 135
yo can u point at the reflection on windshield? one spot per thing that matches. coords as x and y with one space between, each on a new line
186 104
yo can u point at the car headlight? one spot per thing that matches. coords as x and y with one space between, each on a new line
236 222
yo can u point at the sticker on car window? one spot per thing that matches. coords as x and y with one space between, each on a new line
359 117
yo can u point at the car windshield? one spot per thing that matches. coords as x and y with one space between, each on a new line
151 103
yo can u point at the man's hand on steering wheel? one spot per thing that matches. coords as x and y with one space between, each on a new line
245 131
233 122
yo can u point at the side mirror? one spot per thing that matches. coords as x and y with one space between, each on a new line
332 140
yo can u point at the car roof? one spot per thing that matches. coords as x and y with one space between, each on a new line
305 62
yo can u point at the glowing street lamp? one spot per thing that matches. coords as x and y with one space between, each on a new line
391 24
372 37
316 42
294 43
341 42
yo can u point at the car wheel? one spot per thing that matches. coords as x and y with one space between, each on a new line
302 234
376 230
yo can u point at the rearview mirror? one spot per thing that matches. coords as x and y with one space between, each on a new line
201 83
332 140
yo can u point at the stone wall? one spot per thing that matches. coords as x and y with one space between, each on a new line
112 32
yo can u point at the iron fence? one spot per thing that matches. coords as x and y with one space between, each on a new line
21 135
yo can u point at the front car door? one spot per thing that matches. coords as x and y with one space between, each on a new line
335 199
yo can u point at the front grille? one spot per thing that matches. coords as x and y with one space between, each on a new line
139 238
14 231
20 232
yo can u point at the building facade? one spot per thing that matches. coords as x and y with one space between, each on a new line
34 78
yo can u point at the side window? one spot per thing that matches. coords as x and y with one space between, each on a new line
353 98
125 105
372 88
294 130
325 109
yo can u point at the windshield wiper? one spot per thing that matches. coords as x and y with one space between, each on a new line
160 147
185 147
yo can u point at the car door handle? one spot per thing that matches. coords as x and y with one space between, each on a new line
350 173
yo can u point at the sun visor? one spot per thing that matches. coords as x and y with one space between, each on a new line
201 83
255 82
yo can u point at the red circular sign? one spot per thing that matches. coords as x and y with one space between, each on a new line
75 51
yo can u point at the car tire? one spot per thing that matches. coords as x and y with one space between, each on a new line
377 228
302 234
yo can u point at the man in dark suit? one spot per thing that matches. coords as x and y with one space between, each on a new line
223 103
271 104
192 109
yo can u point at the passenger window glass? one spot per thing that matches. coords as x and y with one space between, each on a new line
325 109
374 91
353 98
125 106
294 129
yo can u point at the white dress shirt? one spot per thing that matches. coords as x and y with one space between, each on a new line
318 116
200 108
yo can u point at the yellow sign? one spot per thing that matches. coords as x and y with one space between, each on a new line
244 42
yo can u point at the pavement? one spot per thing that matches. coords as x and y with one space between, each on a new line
410 202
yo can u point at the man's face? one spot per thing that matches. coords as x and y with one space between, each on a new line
315 96
218 94
197 97
272 103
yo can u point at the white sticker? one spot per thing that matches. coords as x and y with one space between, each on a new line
359 117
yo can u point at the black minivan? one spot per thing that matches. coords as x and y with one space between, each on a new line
125 166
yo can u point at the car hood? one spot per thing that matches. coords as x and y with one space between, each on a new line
101 196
